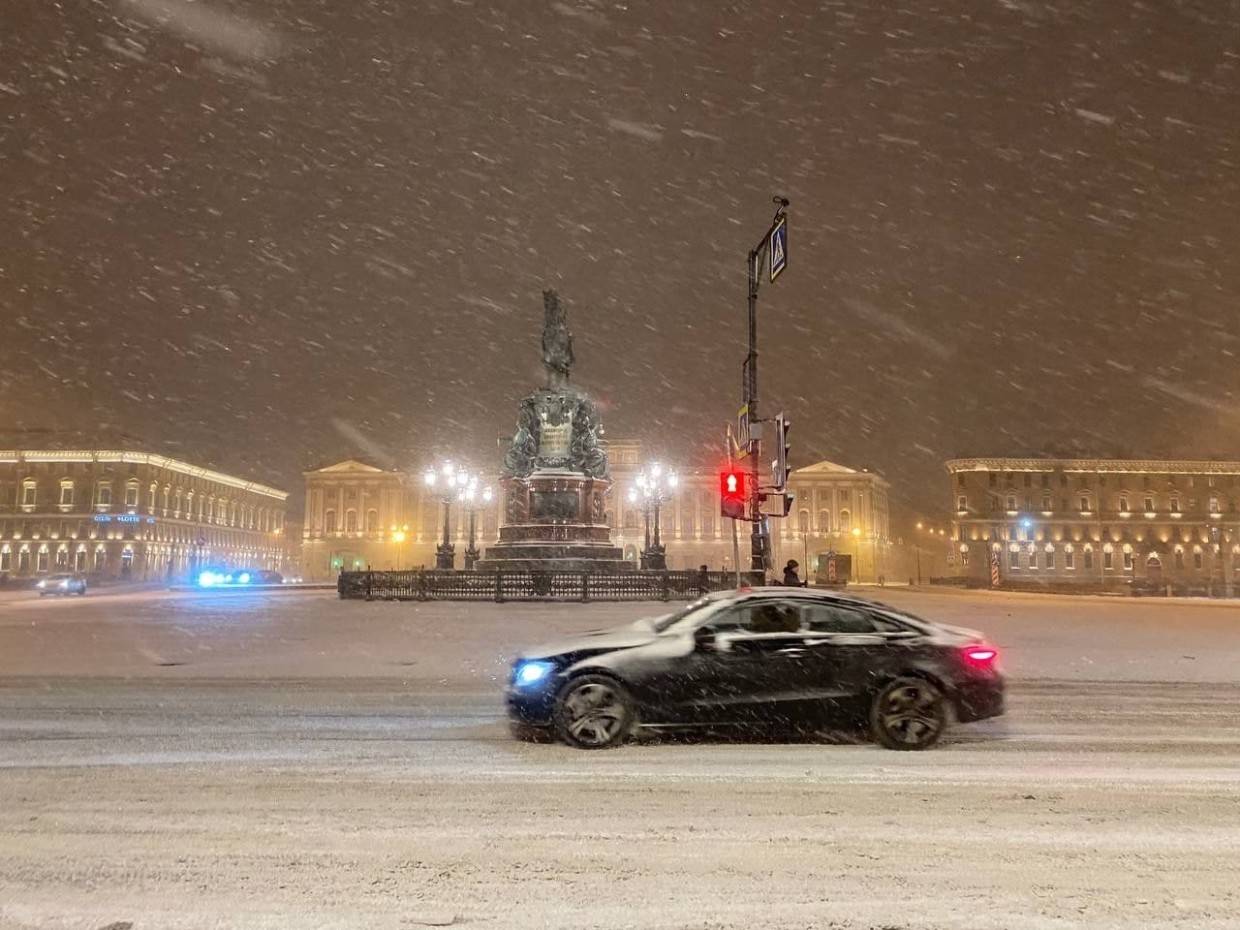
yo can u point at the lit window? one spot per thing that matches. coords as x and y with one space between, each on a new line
6 560
1175 505
350 521
1197 558
1014 558
1046 502
30 494
1214 508
962 503
66 494
1179 557
1108 558
1050 558
1084 505
329 522
1089 558
1123 504
40 564
1127 558
1069 557
103 495
1149 505
845 521
131 494
1011 502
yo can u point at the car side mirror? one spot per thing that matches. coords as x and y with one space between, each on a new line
704 639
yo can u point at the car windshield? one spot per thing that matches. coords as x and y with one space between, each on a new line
699 609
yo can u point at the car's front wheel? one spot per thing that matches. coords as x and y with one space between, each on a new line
593 712
908 713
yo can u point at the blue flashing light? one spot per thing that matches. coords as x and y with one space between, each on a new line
207 579
531 673
1026 523
243 578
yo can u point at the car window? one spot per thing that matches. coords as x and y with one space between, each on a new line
835 618
758 617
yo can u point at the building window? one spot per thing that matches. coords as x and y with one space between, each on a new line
131 494
1089 558
803 521
167 492
372 520
1149 505
103 496
1014 558
329 522
350 521
30 494
66 494
993 479
6 560
1179 557
824 521
1050 558
1028 480
1046 502
152 491
1108 558
1069 557
23 562
1175 505
1197 559
1127 558
1011 502
845 521
1123 504
960 480
62 557
1046 480
79 560
962 503
1084 502
964 556
1214 507
40 563
101 559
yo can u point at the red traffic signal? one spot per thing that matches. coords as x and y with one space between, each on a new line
732 496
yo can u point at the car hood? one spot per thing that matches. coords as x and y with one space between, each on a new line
595 641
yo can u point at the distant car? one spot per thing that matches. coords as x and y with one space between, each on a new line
763 658
62 583
264 576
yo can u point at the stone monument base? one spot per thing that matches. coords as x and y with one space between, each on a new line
554 521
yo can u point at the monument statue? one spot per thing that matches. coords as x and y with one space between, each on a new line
557 426
555 474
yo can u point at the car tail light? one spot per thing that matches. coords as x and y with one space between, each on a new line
980 656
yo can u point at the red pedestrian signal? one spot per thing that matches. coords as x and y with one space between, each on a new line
732 497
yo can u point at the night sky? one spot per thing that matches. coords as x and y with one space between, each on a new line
263 235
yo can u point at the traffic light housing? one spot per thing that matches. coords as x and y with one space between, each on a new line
780 469
732 494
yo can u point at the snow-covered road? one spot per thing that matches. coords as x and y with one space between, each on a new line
379 788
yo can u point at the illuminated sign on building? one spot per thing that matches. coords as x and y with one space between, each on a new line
121 518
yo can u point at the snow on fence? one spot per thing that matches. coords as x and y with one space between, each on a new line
546 586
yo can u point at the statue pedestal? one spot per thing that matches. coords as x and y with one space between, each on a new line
554 521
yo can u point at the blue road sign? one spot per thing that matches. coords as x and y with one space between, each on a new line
778 247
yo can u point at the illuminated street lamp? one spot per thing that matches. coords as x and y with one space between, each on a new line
399 535
473 500
449 481
652 488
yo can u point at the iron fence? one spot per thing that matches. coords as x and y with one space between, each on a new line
537 585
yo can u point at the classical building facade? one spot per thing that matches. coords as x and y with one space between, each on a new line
358 515
131 515
1098 522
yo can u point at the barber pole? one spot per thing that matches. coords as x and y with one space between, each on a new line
994 568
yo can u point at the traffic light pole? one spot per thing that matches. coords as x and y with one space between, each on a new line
757 548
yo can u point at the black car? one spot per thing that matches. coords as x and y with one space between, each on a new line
62 583
761 658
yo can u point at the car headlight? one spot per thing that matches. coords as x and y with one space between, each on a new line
41 584
531 673
64 584
243 578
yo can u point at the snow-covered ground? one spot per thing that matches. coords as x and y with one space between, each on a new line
318 764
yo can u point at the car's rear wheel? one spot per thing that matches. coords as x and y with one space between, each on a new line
593 712
908 713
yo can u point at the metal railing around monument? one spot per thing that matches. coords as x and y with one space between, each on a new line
536 586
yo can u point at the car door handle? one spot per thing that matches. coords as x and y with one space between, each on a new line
791 651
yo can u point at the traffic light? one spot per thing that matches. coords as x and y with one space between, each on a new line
780 469
732 497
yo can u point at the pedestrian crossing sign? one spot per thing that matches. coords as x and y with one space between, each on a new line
778 247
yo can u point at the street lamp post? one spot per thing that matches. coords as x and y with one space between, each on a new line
473 499
450 481
653 487
399 535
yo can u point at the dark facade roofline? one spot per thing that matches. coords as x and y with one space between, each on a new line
1095 466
